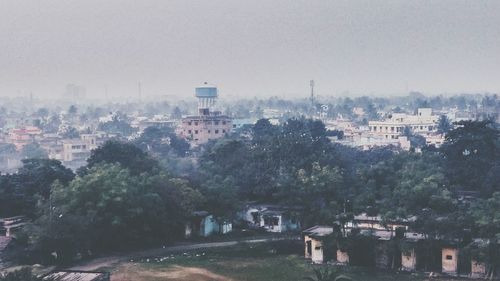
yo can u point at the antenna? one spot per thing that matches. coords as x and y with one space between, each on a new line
311 83
139 86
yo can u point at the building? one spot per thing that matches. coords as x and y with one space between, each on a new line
313 242
75 92
272 218
423 123
204 224
209 123
75 153
72 275
23 136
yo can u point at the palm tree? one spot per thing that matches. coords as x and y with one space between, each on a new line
327 274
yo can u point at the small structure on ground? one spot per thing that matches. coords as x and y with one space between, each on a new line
70 275
313 239
204 224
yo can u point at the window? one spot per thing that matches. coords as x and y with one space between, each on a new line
196 123
449 257
216 131
209 131
223 131
189 131
196 131
223 122
216 122
190 123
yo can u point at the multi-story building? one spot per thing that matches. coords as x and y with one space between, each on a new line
22 136
209 123
423 123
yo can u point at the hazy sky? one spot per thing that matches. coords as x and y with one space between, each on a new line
250 48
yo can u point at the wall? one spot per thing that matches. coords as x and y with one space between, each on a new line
449 258
342 257
478 269
409 260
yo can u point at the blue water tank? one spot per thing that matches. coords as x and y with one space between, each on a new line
206 91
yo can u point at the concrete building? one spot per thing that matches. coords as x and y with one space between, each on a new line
204 224
272 218
23 136
75 153
313 242
423 123
209 123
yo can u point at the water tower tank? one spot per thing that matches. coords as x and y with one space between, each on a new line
207 95
206 91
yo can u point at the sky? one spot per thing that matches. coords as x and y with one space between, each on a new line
249 48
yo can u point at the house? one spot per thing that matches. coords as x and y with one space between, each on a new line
8 226
272 218
70 275
313 242
365 221
204 224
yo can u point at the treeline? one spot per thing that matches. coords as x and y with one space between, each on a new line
125 197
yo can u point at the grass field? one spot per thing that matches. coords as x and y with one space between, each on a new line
279 261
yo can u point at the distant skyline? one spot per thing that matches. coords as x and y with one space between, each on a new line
249 48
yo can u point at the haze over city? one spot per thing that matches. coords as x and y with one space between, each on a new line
249 48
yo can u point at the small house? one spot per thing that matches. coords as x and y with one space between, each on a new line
272 218
204 224
313 241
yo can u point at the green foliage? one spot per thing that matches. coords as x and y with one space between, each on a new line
444 125
161 142
109 208
118 125
24 274
20 192
328 274
126 154
471 152
33 150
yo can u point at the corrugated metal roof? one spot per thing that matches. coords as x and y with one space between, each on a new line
76 276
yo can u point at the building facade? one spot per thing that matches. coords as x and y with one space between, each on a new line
209 123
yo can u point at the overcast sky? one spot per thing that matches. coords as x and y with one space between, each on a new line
260 48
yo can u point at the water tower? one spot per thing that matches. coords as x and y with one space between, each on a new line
207 95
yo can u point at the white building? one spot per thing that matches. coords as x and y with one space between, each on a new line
423 123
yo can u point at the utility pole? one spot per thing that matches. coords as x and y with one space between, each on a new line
311 83
139 86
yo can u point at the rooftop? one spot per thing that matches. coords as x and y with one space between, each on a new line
77 276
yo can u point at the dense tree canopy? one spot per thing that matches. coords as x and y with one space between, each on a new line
109 208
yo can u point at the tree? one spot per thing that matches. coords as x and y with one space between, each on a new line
118 125
33 150
327 274
72 110
20 192
162 141
108 209
444 125
24 274
471 151
126 154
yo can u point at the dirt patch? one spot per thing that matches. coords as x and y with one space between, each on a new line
133 272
